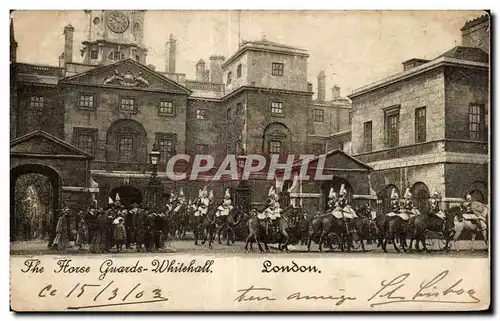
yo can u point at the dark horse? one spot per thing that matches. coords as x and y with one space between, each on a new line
323 226
362 227
391 228
262 230
181 219
420 224
204 226
228 224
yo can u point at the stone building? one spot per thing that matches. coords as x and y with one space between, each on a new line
426 128
112 107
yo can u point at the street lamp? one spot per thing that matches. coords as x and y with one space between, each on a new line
155 187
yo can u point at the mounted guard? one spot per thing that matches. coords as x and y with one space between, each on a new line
343 204
434 205
408 210
181 200
469 214
203 202
272 213
332 201
226 207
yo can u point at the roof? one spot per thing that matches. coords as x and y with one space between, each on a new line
472 23
265 45
467 53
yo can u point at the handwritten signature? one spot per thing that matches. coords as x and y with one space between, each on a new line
436 290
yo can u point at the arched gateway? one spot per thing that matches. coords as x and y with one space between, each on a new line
46 173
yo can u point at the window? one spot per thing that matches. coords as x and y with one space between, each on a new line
94 54
228 114
165 147
274 146
317 148
318 115
277 69
367 136
128 105
201 149
277 108
201 114
476 117
229 77
238 71
86 143
392 128
341 146
420 130
117 55
239 108
125 149
137 58
166 108
86 101
350 118
37 102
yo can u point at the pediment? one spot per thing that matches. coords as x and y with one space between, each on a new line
129 74
339 159
42 144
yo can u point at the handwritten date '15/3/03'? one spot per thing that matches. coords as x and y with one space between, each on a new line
103 295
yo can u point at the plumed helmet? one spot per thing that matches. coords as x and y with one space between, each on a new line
117 198
342 192
332 194
204 192
407 193
394 194
211 195
468 197
227 194
200 192
435 193
110 200
181 192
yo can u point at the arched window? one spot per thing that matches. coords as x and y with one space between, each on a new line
229 77
126 142
276 139
421 194
238 71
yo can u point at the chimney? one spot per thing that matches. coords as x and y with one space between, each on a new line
216 69
61 60
321 85
206 75
171 54
476 33
68 44
200 70
335 92
309 87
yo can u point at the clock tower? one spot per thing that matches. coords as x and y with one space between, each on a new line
114 35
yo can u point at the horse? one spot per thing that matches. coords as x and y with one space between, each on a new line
228 223
391 228
260 229
322 226
420 224
181 219
205 225
362 226
461 224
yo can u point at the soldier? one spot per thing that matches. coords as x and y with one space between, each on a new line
273 210
434 205
226 207
332 201
408 203
395 204
343 204
130 216
468 212
181 200
203 203
61 240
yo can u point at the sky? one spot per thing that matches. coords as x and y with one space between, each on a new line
354 48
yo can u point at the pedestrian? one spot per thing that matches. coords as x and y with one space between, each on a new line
82 231
61 240
130 225
99 239
110 231
139 229
120 234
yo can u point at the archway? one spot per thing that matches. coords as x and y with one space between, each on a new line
335 183
34 202
478 191
421 194
128 195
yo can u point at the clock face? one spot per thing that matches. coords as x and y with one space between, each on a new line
117 21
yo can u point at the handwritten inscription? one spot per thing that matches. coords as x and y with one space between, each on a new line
291 268
437 289
103 295
33 266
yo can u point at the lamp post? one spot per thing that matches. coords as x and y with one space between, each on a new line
155 187
243 191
